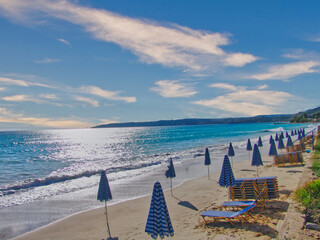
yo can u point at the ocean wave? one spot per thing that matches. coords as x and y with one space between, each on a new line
279 129
32 183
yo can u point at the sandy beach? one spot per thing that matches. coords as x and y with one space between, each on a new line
128 219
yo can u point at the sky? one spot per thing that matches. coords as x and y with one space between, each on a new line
81 63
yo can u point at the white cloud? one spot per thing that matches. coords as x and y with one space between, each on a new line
173 89
48 96
248 102
93 102
97 91
64 41
23 83
173 45
289 70
264 86
224 86
47 60
22 98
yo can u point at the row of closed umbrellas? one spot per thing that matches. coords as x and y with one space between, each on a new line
158 222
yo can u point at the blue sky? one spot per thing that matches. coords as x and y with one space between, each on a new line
76 64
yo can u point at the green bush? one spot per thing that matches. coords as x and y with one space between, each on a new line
309 195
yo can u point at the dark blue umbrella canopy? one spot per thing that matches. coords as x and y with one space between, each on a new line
281 135
260 142
299 136
289 142
226 177
230 151
207 160
273 149
170 173
104 192
158 222
249 146
295 132
292 133
281 144
276 138
256 157
271 139
287 135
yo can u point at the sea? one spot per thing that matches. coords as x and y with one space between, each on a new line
47 175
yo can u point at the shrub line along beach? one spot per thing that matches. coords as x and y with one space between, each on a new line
127 219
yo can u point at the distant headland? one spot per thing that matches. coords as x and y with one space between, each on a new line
311 115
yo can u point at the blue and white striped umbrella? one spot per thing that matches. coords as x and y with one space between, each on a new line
292 133
280 143
287 135
249 147
158 223
170 173
260 142
281 135
295 132
230 150
276 138
273 149
207 161
289 142
226 177
104 194
271 139
256 158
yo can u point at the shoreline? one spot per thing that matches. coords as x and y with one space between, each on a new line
127 219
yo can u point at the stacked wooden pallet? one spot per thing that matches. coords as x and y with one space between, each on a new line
291 158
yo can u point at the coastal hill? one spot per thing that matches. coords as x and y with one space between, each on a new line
310 115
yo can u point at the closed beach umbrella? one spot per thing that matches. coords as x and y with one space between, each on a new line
276 138
249 147
260 142
271 139
273 149
295 132
292 133
256 158
281 135
289 142
104 194
207 161
226 177
171 173
280 143
158 222
287 135
231 152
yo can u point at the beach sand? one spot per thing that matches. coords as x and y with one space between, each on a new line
128 219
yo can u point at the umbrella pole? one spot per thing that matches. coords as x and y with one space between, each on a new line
105 202
231 162
208 173
171 185
257 171
249 155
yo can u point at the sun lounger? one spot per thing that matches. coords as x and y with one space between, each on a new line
260 201
285 159
242 215
249 188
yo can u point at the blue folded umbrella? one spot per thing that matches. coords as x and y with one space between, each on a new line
158 222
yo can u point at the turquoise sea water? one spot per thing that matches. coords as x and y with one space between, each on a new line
38 165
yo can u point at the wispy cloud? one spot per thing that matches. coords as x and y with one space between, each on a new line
224 86
247 102
47 60
289 70
97 91
23 83
171 45
173 89
48 96
64 41
93 102
22 98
